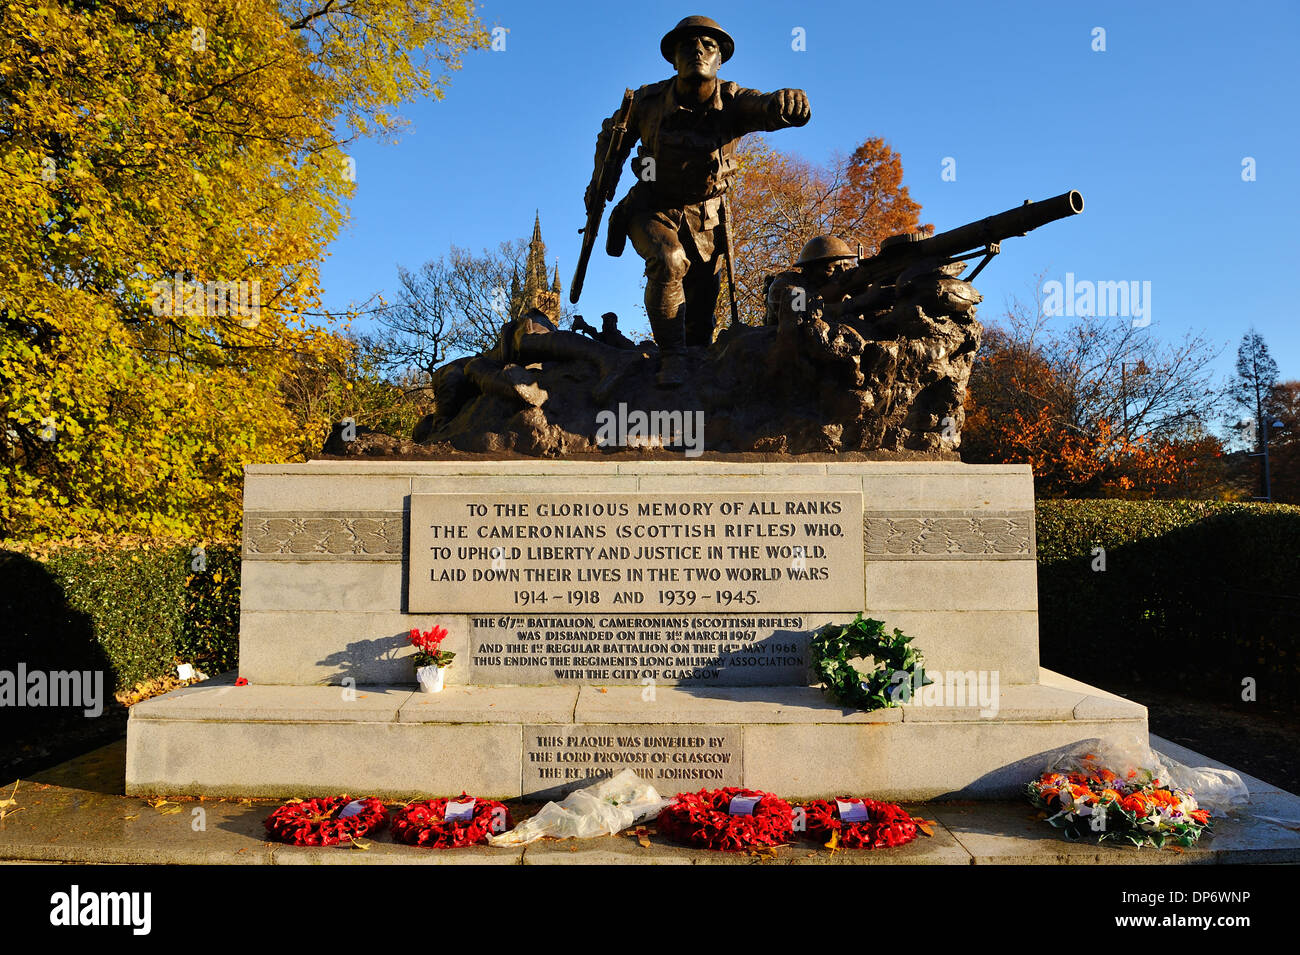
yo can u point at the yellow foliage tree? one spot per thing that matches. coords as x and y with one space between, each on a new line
171 175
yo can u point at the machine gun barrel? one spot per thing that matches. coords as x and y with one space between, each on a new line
1018 221
975 238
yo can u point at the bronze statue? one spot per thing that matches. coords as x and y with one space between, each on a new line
675 214
608 334
788 293
872 283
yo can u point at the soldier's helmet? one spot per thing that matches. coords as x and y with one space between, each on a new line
694 26
824 247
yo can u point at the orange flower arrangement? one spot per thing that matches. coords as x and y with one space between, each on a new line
1139 810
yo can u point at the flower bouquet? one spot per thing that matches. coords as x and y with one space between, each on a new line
1089 799
430 660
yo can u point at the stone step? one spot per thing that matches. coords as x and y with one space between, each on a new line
538 742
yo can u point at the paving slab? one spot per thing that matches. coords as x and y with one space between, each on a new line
1187 757
76 813
1015 834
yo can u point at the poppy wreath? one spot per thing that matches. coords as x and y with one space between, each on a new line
704 820
316 822
425 823
888 824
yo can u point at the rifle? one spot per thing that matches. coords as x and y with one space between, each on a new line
725 209
984 238
603 183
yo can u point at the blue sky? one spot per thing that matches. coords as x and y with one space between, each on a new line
1153 131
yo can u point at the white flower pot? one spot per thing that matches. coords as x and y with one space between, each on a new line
430 678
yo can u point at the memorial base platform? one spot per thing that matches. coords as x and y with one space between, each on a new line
611 614
536 742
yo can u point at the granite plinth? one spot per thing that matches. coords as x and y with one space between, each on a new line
613 614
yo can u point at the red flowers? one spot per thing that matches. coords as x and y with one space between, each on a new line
317 822
427 652
241 682
704 820
425 823
887 824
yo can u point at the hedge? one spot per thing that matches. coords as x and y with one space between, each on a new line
1194 595
133 610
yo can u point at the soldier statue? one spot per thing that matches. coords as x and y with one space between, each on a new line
790 292
688 127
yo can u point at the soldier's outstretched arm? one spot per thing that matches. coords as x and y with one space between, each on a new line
766 112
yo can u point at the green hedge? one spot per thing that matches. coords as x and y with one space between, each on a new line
134 611
1196 595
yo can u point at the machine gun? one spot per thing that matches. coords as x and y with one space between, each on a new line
603 183
901 253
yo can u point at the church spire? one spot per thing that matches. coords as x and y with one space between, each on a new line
534 291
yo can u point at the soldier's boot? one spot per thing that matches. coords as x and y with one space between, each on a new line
670 333
665 305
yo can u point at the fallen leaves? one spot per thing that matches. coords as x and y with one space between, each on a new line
147 689
163 806
834 842
12 801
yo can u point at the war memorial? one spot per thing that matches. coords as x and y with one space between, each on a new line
650 604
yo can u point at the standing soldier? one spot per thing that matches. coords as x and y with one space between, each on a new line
675 213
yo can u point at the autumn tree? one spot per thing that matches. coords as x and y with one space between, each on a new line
1096 406
1252 391
351 384
779 201
173 172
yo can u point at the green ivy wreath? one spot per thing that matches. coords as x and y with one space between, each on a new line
896 664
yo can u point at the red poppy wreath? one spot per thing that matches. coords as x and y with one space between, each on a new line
326 821
432 825
861 823
728 819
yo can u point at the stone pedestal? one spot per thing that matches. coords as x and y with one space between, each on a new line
585 645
